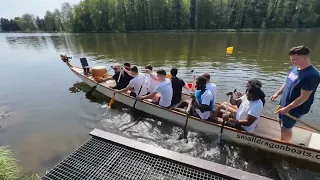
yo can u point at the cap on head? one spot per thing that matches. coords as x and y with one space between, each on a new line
299 50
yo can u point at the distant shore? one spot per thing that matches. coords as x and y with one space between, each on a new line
186 30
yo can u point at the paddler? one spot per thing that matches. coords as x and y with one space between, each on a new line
203 100
162 94
249 112
177 85
210 86
150 82
135 84
298 91
236 99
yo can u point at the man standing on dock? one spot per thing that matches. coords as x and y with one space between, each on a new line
298 91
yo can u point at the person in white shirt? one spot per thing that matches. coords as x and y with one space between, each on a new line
150 82
236 99
249 112
210 86
136 85
162 94
202 100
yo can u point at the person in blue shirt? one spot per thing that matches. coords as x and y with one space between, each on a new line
298 90
203 100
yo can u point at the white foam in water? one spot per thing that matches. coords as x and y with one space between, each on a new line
105 106
213 152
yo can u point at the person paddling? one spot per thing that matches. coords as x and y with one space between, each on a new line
177 85
150 82
298 91
162 94
249 112
203 100
236 99
135 84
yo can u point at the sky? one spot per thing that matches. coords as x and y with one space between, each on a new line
14 8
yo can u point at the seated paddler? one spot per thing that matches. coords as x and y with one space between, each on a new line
236 99
202 100
248 115
136 85
162 94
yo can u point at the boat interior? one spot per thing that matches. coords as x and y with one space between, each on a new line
267 127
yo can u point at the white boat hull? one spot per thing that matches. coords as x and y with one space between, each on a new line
265 138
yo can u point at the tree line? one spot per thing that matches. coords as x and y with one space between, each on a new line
135 15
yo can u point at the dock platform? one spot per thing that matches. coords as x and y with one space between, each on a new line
109 156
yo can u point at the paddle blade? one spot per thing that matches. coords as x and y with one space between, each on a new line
229 50
111 101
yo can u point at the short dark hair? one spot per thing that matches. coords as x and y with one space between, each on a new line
207 76
202 79
148 67
134 69
127 64
161 72
255 82
299 50
174 71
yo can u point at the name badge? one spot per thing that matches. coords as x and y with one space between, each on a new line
292 76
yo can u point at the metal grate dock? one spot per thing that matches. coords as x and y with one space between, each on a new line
108 156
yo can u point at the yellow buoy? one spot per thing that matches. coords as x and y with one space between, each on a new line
229 50
168 76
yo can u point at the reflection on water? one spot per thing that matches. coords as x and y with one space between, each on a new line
46 119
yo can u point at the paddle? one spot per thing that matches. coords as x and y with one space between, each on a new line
225 113
188 115
135 102
94 87
114 93
296 119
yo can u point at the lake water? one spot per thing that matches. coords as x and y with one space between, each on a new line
46 115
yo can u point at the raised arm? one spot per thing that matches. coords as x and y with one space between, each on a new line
193 89
127 71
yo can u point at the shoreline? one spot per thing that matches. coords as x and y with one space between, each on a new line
185 30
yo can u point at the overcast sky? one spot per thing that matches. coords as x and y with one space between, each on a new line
14 8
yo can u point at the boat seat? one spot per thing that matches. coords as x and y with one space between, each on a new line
181 109
314 141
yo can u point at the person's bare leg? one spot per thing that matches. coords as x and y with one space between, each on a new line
286 134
